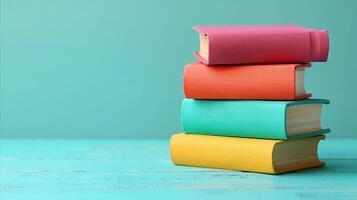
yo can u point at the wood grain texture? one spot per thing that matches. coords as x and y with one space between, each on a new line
141 169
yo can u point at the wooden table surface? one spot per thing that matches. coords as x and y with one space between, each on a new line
141 169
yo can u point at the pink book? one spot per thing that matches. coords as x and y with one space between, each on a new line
220 45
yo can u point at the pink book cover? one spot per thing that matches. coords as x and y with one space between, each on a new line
224 45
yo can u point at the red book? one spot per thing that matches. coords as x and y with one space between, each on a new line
260 82
221 45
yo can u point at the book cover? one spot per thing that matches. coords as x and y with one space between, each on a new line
245 154
281 120
255 82
221 45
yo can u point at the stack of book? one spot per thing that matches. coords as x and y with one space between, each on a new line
246 107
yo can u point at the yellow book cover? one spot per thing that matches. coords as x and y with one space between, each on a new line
245 154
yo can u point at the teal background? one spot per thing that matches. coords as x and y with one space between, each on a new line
113 68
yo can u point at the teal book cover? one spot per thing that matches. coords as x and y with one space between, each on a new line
281 120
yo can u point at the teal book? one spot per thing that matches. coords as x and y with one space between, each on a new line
280 120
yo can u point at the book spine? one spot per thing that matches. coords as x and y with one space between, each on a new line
267 47
234 118
259 82
223 152
319 45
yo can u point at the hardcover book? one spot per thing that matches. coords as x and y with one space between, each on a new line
220 45
256 82
245 154
280 120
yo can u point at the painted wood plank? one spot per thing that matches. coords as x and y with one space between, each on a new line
133 169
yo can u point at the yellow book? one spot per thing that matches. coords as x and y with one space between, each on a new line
245 154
